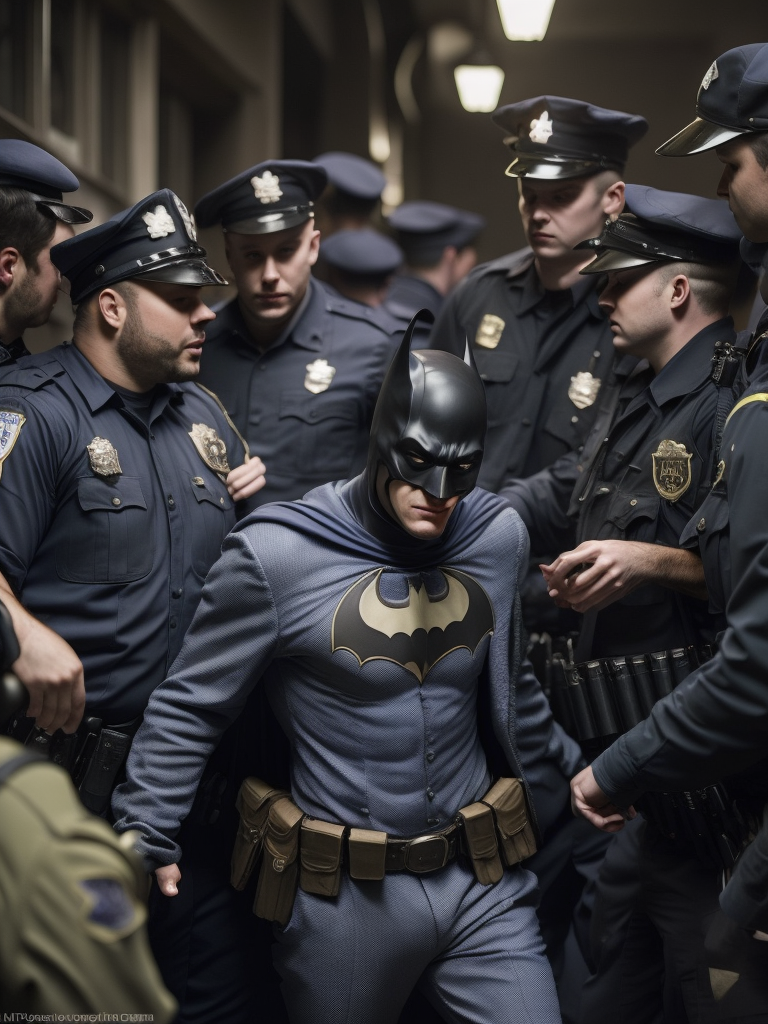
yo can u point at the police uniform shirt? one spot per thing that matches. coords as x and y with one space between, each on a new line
643 483
305 403
529 345
409 293
113 563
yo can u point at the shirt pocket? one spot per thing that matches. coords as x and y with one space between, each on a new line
710 527
108 535
213 522
496 368
634 516
319 433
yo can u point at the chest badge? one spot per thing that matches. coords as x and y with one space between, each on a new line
671 470
211 448
416 634
583 389
102 455
489 332
11 423
319 376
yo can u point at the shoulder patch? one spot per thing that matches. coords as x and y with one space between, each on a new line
108 908
11 422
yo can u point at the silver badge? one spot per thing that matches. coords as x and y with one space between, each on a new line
159 222
211 448
11 423
103 457
187 217
710 76
489 332
319 376
541 128
267 187
671 470
583 389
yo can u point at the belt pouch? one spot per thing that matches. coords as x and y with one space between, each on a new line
680 664
480 837
599 692
321 846
661 674
513 822
279 873
638 666
626 697
101 774
367 854
582 713
252 804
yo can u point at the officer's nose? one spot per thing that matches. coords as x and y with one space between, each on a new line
270 273
722 188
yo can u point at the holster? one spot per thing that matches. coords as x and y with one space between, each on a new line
253 803
279 873
481 844
321 847
513 822
367 854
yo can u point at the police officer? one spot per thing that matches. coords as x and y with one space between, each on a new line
297 367
671 263
542 345
360 264
350 200
73 936
33 217
714 723
117 485
438 242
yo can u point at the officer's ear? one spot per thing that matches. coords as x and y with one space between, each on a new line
613 199
314 244
9 260
112 307
679 291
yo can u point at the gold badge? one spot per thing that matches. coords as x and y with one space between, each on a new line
583 389
103 457
211 448
319 376
489 332
11 423
671 470
267 187
159 222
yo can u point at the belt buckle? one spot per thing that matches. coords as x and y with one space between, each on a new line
427 853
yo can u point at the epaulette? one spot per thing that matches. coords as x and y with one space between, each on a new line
30 377
512 262
354 310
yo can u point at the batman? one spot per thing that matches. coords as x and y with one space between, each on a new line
380 619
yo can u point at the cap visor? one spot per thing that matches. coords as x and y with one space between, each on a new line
699 136
546 170
195 273
267 223
612 259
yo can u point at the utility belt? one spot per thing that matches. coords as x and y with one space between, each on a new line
598 700
297 849
93 756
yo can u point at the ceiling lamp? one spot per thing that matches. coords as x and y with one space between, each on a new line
479 86
525 19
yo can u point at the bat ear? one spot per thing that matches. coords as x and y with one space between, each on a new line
469 358
400 370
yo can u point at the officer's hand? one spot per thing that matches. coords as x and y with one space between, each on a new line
168 879
53 675
597 573
245 480
588 800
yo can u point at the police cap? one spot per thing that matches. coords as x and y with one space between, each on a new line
155 240
25 166
352 174
364 252
271 196
424 228
732 100
554 137
659 227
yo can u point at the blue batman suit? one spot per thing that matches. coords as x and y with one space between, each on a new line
382 738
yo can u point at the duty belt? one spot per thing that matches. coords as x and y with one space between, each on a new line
423 853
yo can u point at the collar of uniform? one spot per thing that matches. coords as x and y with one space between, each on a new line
302 327
530 292
692 364
91 385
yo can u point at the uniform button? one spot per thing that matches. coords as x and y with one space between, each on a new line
430 756
596 353
364 810
433 821
526 422
430 795
116 501
171 502
313 414
603 490
701 525
221 501
574 419
198 481
633 502
151 437
177 592
173 623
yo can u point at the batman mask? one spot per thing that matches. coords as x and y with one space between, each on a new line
430 420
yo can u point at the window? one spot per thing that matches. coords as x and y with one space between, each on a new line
15 38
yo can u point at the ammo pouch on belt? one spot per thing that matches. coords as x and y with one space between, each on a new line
279 873
481 844
513 822
253 803
321 848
